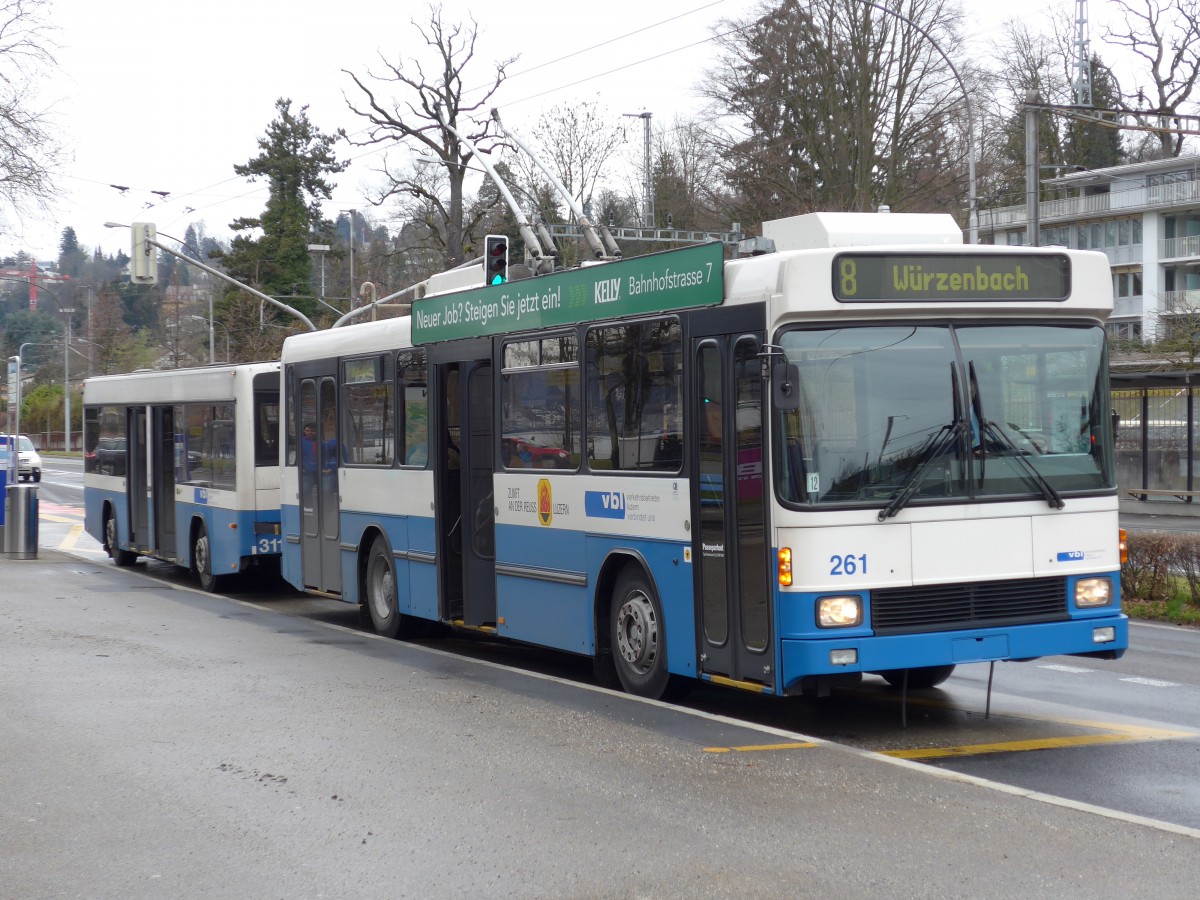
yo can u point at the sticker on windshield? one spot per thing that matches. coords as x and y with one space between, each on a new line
814 482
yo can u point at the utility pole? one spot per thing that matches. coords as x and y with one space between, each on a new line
648 180
1032 193
1083 56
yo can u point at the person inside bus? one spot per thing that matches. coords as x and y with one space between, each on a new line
310 452
308 449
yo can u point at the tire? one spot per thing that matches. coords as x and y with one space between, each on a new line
111 539
918 679
638 637
379 591
202 563
37 475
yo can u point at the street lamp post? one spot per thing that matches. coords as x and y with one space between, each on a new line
217 273
224 327
352 212
322 249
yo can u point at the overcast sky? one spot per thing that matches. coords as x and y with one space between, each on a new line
168 97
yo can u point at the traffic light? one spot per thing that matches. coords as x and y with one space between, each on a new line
143 263
495 259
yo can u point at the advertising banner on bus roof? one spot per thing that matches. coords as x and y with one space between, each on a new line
676 279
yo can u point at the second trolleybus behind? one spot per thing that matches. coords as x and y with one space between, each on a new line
182 465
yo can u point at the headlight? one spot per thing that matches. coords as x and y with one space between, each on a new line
1090 592
841 611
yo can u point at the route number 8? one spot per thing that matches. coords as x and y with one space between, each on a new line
848 270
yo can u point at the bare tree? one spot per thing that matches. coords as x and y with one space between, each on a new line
687 168
431 102
1165 35
28 152
576 141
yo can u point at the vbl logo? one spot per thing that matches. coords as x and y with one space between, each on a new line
604 504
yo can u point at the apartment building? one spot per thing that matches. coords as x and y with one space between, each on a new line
1145 217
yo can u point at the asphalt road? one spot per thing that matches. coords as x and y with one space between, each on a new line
163 742
1118 738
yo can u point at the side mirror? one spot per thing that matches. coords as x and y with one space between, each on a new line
785 386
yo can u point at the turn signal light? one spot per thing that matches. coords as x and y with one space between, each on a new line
785 567
1123 545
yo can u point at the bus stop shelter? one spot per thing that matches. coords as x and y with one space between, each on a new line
1157 431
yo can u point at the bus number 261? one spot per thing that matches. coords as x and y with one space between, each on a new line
848 564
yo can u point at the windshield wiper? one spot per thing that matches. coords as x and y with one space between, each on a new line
937 443
986 427
941 440
1053 498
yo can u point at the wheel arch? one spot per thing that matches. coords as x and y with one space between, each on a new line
195 523
366 540
617 560
109 511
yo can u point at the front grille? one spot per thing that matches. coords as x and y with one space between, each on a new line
948 607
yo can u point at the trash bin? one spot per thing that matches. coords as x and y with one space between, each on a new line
21 521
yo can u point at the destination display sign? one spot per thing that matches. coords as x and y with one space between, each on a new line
896 277
676 279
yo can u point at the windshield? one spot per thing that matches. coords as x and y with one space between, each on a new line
941 413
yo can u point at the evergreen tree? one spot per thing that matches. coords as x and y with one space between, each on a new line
71 259
294 159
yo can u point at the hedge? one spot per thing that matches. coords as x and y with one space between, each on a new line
1159 564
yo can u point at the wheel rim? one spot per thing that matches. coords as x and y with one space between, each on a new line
110 535
203 564
637 632
380 588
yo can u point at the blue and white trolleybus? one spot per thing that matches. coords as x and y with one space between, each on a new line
873 450
183 465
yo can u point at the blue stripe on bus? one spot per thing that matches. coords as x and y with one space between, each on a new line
229 545
560 615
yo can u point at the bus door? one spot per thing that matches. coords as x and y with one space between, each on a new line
137 486
466 505
729 499
320 511
163 479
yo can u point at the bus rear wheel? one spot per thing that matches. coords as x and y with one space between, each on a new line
202 563
918 679
638 639
380 590
112 541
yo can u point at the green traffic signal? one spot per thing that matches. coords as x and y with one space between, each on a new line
495 259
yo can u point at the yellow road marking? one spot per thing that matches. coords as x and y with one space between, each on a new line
1113 734
68 543
1116 734
62 520
756 748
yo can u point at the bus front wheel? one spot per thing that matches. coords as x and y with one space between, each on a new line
639 638
112 543
202 562
381 600
918 679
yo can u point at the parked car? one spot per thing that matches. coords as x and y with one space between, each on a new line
29 462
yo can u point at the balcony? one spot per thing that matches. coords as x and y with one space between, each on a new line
1181 248
1131 199
1180 302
